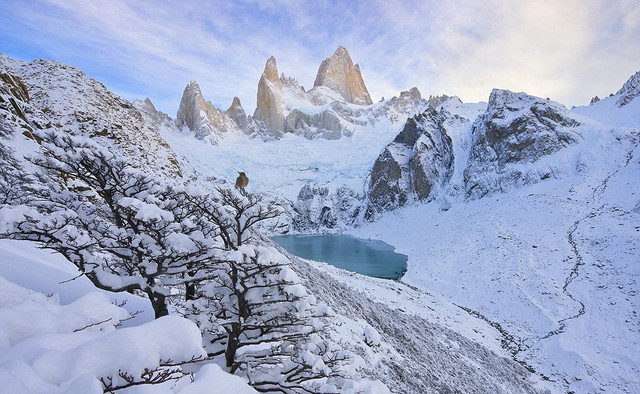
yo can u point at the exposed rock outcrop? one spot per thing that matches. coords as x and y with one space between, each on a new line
270 103
629 91
319 209
340 74
516 129
414 166
435 101
236 112
201 117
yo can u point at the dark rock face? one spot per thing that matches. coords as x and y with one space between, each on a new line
414 166
515 129
13 85
14 101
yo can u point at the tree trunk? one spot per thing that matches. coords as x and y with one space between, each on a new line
190 287
232 346
158 302
190 291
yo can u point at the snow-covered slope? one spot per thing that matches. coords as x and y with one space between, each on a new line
621 109
530 248
554 264
64 98
59 334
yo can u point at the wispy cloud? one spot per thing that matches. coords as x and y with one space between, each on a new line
567 50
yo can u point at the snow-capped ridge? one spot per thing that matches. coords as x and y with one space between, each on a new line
66 100
516 129
629 91
620 109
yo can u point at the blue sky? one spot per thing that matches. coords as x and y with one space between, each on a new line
567 50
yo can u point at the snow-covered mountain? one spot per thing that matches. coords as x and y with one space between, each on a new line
65 98
336 106
519 216
619 109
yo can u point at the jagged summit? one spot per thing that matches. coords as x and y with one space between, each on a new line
236 112
201 117
340 74
270 98
271 69
629 91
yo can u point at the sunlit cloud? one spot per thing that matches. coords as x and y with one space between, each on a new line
566 50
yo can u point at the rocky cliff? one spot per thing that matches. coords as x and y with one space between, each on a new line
270 102
339 74
629 91
201 117
237 114
516 130
413 167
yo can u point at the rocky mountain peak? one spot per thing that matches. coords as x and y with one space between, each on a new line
201 117
516 129
414 166
236 112
270 101
629 91
148 103
271 70
340 74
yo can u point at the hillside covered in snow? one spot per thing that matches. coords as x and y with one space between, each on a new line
520 218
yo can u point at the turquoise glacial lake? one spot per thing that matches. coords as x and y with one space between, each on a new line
368 257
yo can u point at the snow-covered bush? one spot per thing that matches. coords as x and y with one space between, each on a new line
78 348
124 229
266 325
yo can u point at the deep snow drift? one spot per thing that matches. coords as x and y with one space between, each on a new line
60 335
